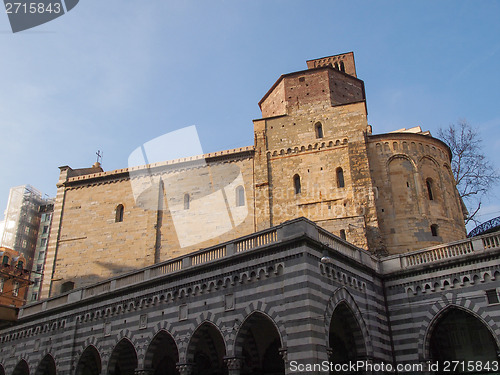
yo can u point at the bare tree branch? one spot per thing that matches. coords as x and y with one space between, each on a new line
474 174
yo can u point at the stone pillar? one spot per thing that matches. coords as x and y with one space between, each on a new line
233 365
185 368
284 355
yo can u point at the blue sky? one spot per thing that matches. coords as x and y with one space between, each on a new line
111 75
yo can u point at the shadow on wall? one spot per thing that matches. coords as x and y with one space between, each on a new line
65 285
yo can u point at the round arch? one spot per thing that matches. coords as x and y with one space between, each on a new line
457 333
89 362
162 355
123 359
206 350
259 342
21 368
401 156
402 173
47 366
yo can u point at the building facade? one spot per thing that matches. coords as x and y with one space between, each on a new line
314 156
14 278
320 249
22 230
46 210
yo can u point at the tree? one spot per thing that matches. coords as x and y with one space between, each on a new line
474 174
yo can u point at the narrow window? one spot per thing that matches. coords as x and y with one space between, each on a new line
67 286
428 182
20 264
34 296
186 201
337 65
43 242
342 234
240 196
5 259
434 230
318 128
15 291
342 66
1 285
492 296
119 213
45 229
296 184
340 178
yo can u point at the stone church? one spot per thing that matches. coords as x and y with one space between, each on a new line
322 248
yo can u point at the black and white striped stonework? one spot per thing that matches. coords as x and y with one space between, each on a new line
292 294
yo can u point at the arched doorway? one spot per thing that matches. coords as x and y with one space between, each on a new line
21 368
89 363
123 360
206 351
258 345
162 355
460 336
47 366
345 338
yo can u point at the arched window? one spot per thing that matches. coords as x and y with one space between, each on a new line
340 178
20 264
240 196
119 213
430 194
318 128
5 259
434 230
296 184
337 65
67 286
342 66
342 234
187 200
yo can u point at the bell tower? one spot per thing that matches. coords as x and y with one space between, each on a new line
343 62
311 158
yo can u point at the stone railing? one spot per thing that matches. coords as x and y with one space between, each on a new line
491 241
435 254
440 253
252 242
168 267
283 233
348 249
97 289
209 255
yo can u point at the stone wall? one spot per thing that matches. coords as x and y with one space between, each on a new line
313 156
90 243
403 165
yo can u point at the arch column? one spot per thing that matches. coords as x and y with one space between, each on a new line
185 368
233 365
144 372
